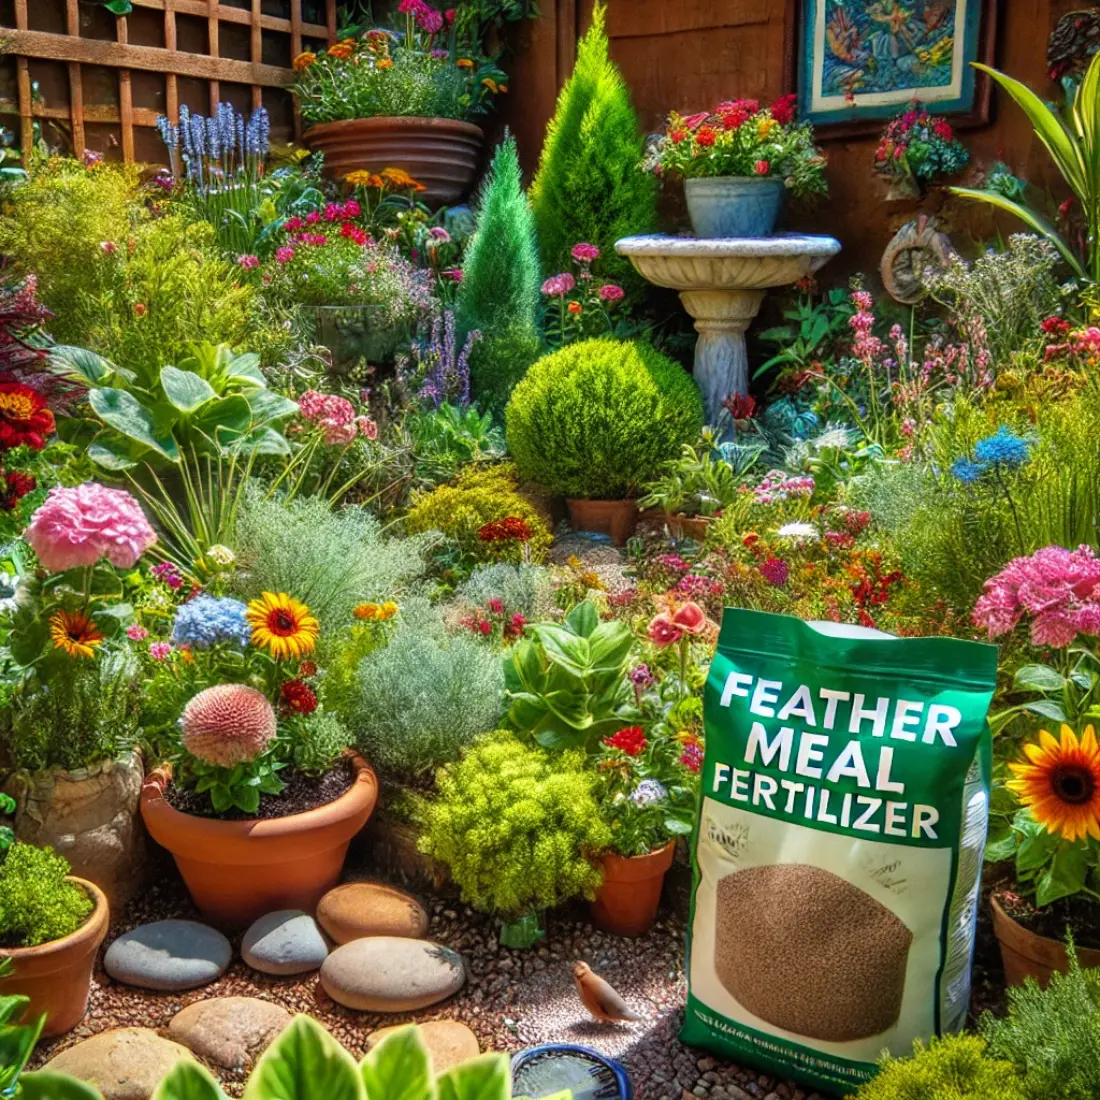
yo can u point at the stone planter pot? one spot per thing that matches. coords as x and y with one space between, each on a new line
91 818
688 527
626 903
616 518
236 871
57 976
734 206
441 153
1026 954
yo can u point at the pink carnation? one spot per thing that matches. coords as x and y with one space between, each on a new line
609 292
557 286
159 651
367 427
585 253
248 262
285 254
78 526
136 633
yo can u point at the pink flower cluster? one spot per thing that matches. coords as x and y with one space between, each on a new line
248 262
77 526
778 486
866 346
557 286
585 253
1058 588
336 418
669 627
427 18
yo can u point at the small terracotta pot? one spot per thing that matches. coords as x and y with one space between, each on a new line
1026 954
626 903
441 153
238 870
57 975
688 527
616 518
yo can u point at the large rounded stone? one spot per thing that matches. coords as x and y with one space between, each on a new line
449 1042
359 909
392 974
231 1032
168 955
287 941
126 1063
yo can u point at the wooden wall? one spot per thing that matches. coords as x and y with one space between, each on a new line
689 54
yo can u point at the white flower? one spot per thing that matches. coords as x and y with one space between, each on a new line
648 793
833 439
798 532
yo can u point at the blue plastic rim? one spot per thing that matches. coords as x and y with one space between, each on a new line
626 1089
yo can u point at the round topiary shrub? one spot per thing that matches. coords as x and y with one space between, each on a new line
597 419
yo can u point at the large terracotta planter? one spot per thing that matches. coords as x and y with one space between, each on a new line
616 518
688 527
238 870
441 153
1026 954
626 903
56 976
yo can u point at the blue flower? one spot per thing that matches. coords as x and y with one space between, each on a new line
966 471
648 793
1002 449
207 621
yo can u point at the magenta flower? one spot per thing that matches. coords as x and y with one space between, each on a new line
160 651
136 632
775 571
367 427
109 247
77 526
248 262
557 286
454 274
585 253
609 292
285 254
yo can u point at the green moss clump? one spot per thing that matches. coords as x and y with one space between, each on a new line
599 418
516 826
37 904
956 1067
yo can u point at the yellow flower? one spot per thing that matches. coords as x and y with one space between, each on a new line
362 178
366 612
399 178
304 60
765 126
491 84
1061 783
464 63
387 610
75 633
282 625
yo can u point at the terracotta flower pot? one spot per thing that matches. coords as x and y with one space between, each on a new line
616 518
1026 954
626 903
57 975
689 527
441 153
238 870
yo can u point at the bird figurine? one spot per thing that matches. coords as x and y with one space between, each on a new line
598 997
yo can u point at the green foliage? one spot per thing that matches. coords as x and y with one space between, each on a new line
1052 1034
567 684
527 589
500 272
317 740
450 437
423 698
499 361
89 714
330 560
305 1062
589 187
236 788
516 827
955 1067
479 497
599 418
701 481
37 905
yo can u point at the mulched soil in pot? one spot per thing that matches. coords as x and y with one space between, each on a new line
302 793
1078 913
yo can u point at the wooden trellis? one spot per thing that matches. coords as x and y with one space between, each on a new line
125 57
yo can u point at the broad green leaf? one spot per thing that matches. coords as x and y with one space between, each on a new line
1065 875
563 647
557 737
1038 678
266 405
263 441
118 7
570 707
188 1081
583 619
1045 708
221 420
486 1078
14 1005
110 458
82 365
44 1085
1035 850
1000 845
16 1046
609 646
185 389
399 1068
305 1063
123 412
246 367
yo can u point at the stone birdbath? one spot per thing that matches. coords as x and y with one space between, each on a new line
722 282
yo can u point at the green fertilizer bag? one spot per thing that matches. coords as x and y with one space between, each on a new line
845 799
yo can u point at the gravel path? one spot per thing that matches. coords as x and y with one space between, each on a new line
514 999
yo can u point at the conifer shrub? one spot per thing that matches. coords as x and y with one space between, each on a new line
37 904
516 827
499 361
599 418
589 187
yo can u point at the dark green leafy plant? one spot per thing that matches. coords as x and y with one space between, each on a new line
37 904
450 437
701 482
498 362
316 741
567 684
598 419
811 331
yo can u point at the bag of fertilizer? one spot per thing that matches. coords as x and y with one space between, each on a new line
845 799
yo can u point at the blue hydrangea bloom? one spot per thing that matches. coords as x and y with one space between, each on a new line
206 621
1003 449
967 471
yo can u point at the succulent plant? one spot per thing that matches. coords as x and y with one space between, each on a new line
228 724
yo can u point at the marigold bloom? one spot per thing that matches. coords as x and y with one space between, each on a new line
282 625
24 417
341 51
575 308
1061 783
464 63
384 63
75 632
304 60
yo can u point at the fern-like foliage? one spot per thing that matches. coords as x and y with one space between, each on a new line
589 186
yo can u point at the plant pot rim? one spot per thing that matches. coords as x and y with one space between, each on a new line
754 180
646 865
162 819
86 938
1002 918
392 122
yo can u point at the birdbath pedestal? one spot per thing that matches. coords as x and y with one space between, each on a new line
722 283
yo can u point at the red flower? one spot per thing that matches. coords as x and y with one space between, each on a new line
1065 207
24 417
1055 326
706 136
692 756
575 307
741 406
496 605
511 528
775 571
485 627
663 631
761 167
449 16
676 136
942 129
783 109
690 618
750 540
734 120
16 485
307 669
140 309
630 740
298 697
692 122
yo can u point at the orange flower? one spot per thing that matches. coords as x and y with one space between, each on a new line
464 63
491 84
341 51
362 178
304 60
1061 783
74 632
385 63
575 307
399 178
282 625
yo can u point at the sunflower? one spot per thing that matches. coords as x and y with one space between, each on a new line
75 633
1061 783
282 625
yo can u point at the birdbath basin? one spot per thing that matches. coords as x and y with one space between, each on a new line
722 282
